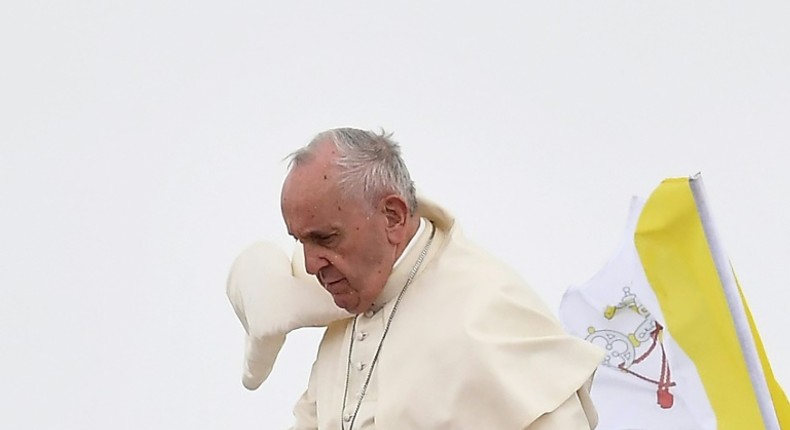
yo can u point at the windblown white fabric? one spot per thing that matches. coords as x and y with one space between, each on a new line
270 301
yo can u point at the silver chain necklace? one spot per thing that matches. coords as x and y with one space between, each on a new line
381 341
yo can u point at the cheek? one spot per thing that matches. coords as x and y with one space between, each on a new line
376 267
366 274
368 264
375 277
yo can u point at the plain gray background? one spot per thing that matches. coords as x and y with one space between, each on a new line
141 146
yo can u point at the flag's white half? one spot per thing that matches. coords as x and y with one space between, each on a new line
659 310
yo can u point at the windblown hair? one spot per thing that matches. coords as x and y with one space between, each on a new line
370 164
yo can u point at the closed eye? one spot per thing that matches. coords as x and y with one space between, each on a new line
324 240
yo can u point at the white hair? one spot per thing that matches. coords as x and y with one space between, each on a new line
370 165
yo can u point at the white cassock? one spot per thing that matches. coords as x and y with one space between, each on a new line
470 346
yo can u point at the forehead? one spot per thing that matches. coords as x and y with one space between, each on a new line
311 197
310 181
316 174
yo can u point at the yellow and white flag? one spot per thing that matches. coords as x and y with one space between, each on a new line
682 351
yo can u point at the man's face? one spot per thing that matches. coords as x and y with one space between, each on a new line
345 241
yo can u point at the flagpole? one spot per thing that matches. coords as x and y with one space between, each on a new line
742 327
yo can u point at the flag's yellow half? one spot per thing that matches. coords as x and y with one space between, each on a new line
679 266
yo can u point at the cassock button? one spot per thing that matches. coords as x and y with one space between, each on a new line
361 336
369 313
360 366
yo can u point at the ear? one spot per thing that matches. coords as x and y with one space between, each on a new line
396 211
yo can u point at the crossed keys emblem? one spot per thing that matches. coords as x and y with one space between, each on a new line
627 351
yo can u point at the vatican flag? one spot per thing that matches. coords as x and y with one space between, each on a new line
682 351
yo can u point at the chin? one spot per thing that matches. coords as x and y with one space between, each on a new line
357 308
346 303
353 309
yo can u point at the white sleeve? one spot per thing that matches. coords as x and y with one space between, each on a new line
305 412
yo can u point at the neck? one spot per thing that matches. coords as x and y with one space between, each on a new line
412 225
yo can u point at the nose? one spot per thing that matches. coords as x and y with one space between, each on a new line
314 259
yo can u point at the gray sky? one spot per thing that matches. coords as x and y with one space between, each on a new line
141 147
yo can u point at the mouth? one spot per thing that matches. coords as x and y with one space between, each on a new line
332 284
337 287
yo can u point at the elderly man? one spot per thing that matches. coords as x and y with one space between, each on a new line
428 330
